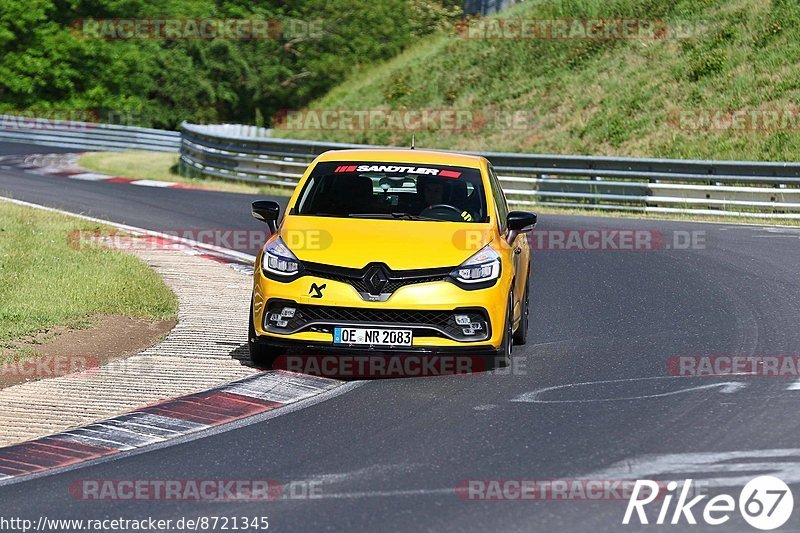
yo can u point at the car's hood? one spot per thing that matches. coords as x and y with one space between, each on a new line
401 244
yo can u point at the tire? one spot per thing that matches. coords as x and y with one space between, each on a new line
262 354
521 335
502 356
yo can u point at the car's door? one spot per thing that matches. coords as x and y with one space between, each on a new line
519 258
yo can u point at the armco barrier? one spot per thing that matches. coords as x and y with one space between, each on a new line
730 188
86 135
248 154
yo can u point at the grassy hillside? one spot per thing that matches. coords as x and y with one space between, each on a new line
601 97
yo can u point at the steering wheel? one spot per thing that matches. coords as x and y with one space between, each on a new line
444 211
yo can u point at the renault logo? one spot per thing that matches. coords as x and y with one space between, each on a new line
376 279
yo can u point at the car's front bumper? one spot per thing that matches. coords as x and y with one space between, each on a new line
427 309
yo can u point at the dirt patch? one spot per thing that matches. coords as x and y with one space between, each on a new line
61 351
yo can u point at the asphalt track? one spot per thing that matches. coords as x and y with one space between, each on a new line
390 453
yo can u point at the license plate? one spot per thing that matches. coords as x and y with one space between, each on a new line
378 337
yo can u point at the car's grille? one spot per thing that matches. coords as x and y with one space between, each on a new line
323 318
360 285
381 316
358 278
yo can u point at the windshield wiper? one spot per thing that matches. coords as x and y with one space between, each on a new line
399 216
323 214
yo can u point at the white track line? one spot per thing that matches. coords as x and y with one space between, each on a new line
153 183
87 176
141 231
45 171
794 386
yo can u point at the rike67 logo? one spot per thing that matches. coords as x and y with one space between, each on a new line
765 503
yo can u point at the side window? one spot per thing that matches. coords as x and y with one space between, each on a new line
499 199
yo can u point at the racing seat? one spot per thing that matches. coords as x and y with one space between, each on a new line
360 197
473 203
458 194
424 181
332 197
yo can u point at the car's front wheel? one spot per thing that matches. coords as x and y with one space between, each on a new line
502 357
262 354
521 335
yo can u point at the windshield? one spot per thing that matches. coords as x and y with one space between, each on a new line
394 190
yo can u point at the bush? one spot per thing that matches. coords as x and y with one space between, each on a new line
45 64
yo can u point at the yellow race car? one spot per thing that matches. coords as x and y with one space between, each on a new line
399 251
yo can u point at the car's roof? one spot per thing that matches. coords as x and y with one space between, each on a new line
404 155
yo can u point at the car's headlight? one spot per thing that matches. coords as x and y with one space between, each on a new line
279 260
482 266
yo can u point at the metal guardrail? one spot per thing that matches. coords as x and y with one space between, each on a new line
732 188
248 154
86 135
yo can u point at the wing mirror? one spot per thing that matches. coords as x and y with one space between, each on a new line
519 222
267 211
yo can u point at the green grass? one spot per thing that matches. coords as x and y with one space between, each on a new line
162 166
45 282
597 97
